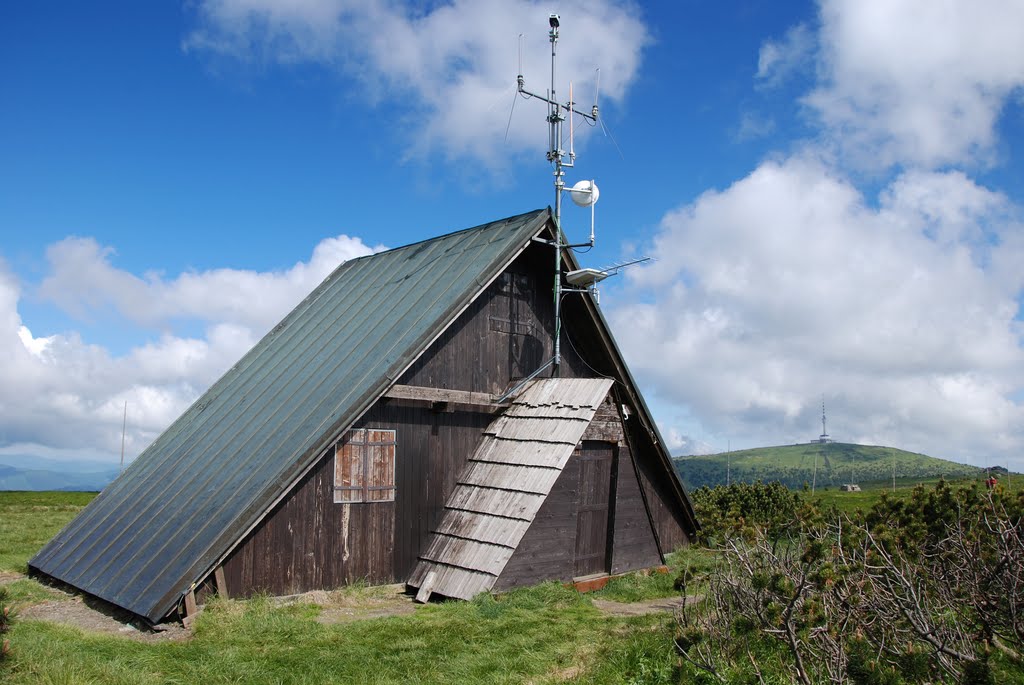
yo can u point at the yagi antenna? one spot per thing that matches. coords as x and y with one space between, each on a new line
586 280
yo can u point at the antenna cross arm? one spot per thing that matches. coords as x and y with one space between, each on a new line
591 115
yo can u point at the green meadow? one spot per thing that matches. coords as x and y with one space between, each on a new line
544 634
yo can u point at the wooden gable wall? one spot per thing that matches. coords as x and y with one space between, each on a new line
309 542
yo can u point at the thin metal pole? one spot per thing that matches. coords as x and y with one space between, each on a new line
124 424
814 474
555 119
555 154
894 470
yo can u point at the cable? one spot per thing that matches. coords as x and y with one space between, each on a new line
579 355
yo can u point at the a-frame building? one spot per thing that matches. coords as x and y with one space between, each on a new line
371 436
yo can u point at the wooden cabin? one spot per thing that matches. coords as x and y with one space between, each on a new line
403 424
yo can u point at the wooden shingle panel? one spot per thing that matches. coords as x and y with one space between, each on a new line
529 479
509 477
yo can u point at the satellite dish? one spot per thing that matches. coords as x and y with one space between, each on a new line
584 193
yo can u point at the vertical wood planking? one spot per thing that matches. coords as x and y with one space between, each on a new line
593 502
310 542
547 550
634 546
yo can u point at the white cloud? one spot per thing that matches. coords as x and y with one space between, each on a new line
84 282
684 445
789 284
778 60
61 394
917 82
450 68
901 306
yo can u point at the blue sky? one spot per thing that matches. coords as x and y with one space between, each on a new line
832 191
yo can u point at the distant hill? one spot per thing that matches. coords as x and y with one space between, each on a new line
15 478
793 465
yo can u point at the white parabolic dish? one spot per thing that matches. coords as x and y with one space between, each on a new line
584 193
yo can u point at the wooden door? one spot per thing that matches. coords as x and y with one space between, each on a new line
593 512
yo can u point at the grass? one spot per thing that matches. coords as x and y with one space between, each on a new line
872 491
544 634
637 587
541 635
29 519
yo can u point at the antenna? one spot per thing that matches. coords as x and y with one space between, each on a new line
555 154
586 280
582 195
728 463
124 424
520 56
824 437
572 151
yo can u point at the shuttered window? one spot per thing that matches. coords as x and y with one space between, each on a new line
364 466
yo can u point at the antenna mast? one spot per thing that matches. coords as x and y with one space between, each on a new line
124 424
556 154
584 193
824 437
823 431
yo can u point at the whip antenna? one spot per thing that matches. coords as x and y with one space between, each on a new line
572 152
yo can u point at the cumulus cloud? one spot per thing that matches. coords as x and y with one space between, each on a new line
451 67
901 306
84 282
916 82
790 284
63 394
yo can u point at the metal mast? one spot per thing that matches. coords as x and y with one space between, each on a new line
557 156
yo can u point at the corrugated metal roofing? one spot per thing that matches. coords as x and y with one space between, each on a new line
208 478
504 483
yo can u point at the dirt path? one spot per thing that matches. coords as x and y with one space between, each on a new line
9 577
90 614
96 616
93 615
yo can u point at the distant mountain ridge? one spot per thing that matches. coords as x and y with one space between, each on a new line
18 478
794 465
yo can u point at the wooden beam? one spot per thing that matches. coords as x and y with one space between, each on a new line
222 584
190 609
424 394
423 596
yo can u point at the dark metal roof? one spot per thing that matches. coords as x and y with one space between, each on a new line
211 476
503 485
